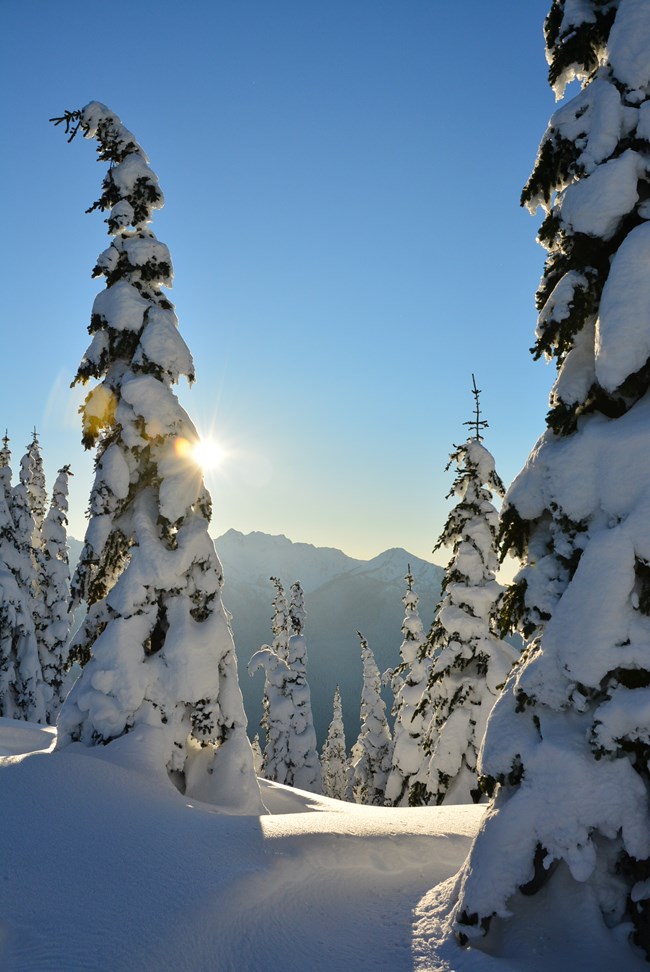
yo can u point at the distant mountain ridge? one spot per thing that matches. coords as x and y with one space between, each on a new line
248 557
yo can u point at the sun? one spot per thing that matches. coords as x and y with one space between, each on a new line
206 453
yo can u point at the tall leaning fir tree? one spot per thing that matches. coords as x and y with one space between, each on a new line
156 643
567 747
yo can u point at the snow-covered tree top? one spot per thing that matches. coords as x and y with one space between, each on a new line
471 526
131 189
373 707
480 461
136 351
32 479
475 476
5 452
412 628
297 609
54 526
6 523
131 319
280 620
476 423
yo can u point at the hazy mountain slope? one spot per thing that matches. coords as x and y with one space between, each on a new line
352 595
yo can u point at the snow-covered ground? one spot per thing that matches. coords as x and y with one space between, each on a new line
105 867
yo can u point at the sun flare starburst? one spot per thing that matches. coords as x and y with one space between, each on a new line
206 453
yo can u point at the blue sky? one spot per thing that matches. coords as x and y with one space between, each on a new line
342 182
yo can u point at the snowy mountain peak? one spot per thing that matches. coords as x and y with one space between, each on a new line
236 536
391 566
255 556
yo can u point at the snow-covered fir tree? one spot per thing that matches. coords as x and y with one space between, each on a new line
156 641
32 476
280 623
567 747
280 629
22 690
53 618
470 662
7 526
29 500
371 754
297 655
296 609
408 681
334 760
308 776
29 503
27 507
290 752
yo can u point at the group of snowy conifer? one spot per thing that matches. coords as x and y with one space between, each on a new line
34 589
448 681
444 688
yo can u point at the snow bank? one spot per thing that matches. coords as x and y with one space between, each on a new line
18 737
148 879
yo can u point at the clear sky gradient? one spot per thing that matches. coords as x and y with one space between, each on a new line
342 182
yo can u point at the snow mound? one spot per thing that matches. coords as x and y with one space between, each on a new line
17 738
149 879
